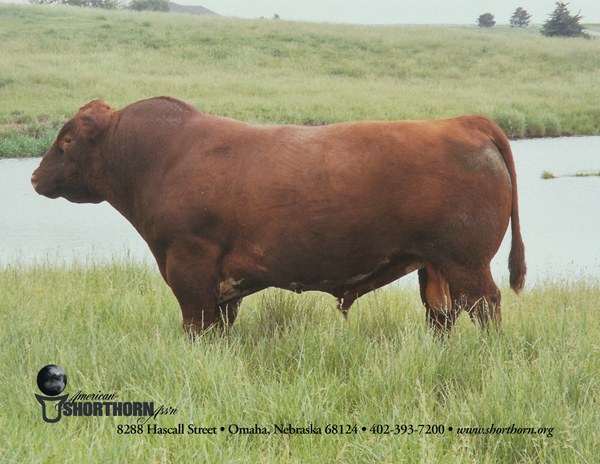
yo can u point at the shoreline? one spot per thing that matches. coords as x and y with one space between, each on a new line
57 59
36 147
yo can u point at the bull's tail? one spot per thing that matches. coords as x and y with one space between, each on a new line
516 257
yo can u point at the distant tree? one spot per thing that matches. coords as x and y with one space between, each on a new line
486 20
562 24
520 18
150 5
106 4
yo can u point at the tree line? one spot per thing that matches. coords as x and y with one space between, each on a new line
136 5
560 24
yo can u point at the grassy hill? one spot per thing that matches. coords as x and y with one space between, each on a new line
190 9
54 59
292 360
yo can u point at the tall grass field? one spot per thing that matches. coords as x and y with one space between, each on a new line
293 362
55 59
291 381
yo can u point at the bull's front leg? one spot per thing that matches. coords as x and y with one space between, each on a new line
228 311
191 271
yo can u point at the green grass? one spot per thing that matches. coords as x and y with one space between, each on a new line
586 174
546 175
53 60
292 359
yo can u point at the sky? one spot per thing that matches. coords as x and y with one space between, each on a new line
395 11
391 11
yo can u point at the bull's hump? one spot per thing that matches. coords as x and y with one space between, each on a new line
161 106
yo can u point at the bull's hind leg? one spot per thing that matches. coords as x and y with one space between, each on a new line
436 296
478 294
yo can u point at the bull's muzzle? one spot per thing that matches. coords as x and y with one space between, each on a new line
34 181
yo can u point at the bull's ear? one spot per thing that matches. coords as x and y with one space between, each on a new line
94 119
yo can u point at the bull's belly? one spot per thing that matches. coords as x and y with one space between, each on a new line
386 272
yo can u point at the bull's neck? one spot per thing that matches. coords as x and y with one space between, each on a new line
138 152
128 170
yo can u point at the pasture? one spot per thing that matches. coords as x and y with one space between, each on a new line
53 60
292 359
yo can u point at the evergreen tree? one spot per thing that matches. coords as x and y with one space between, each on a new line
562 24
520 18
486 20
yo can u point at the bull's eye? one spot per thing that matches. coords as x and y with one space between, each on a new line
68 140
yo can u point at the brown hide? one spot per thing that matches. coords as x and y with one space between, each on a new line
230 208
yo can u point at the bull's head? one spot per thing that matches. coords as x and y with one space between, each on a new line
73 168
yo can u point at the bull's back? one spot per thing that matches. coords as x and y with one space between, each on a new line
353 192
373 168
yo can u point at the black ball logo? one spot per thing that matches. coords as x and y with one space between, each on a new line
52 380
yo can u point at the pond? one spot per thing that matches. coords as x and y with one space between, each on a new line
560 218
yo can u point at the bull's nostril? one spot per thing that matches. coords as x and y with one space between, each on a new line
34 181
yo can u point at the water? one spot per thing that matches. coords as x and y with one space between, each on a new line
560 218
34 228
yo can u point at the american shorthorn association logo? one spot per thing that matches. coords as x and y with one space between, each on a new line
52 380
